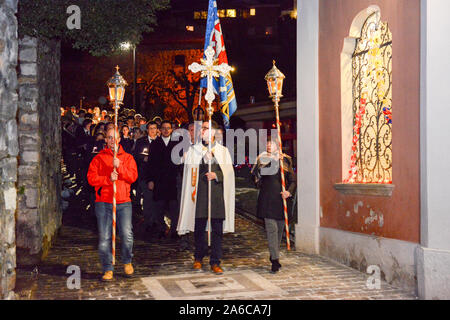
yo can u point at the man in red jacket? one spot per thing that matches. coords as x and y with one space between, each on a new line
103 171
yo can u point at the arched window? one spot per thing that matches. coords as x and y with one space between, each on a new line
371 102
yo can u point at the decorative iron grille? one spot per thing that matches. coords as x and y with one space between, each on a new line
372 104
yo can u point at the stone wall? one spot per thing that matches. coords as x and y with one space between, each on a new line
39 174
8 145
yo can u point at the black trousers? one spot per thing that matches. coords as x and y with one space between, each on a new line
201 240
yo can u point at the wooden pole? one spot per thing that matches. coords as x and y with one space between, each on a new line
283 183
114 210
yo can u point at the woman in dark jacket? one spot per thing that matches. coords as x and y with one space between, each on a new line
267 175
125 141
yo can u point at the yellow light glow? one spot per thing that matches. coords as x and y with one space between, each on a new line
190 28
231 13
252 11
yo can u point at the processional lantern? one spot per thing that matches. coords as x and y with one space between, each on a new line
116 86
274 79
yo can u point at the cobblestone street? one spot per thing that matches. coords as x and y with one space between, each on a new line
161 266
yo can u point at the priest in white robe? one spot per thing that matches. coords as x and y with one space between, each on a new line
194 197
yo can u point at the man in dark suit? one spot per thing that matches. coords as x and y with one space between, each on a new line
142 156
161 176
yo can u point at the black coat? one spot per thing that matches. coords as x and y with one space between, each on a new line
161 170
82 139
141 154
127 144
270 202
217 201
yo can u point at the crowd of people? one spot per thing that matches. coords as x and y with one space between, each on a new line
84 135
135 159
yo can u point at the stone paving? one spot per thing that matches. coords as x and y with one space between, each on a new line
302 277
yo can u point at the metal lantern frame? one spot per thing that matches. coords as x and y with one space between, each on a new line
116 85
274 79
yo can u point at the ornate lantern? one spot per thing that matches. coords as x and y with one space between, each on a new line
116 86
274 80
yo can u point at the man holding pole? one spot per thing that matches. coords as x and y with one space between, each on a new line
194 197
104 171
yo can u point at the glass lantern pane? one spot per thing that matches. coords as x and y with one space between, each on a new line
112 93
120 93
269 86
280 86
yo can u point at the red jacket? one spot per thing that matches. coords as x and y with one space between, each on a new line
100 172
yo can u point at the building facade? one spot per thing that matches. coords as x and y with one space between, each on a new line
370 78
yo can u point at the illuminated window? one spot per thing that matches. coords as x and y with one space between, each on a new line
221 13
204 14
244 14
252 11
371 157
197 15
231 13
190 28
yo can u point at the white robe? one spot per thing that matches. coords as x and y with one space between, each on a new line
186 221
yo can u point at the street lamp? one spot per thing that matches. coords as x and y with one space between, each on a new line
127 46
116 86
274 80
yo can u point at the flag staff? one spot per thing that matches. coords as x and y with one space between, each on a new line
274 80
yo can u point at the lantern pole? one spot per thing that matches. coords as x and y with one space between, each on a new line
276 99
116 107
117 82
114 210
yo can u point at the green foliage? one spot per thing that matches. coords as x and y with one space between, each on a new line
104 23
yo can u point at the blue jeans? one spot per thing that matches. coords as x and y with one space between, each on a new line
103 211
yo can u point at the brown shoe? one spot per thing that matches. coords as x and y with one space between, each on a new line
197 265
216 269
108 276
128 269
